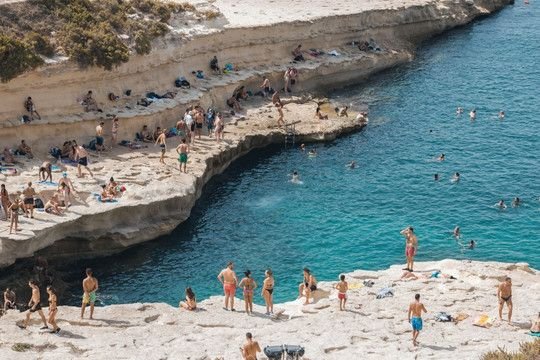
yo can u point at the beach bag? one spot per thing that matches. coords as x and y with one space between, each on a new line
92 144
38 203
294 351
443 317
274 352
25 119
55 152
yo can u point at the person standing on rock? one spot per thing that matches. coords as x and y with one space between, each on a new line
280 121
227 277
411 244
35 305
29 194
504 293
182 150
100 140
81 155
53 309
90 286
114 131
415 309
248 285
267 291
220 125
162 141
342 286
250 349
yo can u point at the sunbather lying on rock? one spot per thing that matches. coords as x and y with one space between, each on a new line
408 275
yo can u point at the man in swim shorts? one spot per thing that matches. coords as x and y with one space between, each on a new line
504 293
182 150
99 137
90 286
28 201
35 305
82 159
227 277
411 243
250 348
342 286
415 309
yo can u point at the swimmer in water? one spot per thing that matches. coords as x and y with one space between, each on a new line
472 114
312 152
472 245
501 115
441 157
351 165
457 232
303 147
516 202
296 178
436 177
459 111
455 177
501 205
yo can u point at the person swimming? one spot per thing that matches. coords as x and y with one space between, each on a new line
436 177
441 157
472 114
303 147
472 245
516 202
352 164
312 152
457 232
459 111
501 115
501 205
455 178
296 178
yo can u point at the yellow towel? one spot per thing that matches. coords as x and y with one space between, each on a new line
355 286
483 321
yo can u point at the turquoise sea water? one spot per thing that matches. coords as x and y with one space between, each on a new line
341 219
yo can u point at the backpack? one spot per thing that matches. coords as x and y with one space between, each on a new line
92 144
38 203
55 152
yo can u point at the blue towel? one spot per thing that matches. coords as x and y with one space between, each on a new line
52 183
537 334
385 292
98 198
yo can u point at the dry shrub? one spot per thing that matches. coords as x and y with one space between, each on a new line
527 351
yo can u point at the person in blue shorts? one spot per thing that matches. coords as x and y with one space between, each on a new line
415 309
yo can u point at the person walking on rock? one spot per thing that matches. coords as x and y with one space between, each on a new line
35 305
250 349
227 277
411 244
90 286
415 309
504 293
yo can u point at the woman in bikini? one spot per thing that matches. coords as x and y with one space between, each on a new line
267 291
320 115
114 132
307 286
248 284
4 200
52 309
14 210
190 303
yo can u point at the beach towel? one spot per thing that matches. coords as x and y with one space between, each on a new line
385 292
334 53
537 334
8 171
483 321
355 286
460 317
50 183
56 168
98 198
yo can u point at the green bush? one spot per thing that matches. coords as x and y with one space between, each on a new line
95 46
40 44
527 351
16 57
143 45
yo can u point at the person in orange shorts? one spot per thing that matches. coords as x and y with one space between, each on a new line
227 277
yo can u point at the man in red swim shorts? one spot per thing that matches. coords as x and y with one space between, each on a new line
411 243
227 277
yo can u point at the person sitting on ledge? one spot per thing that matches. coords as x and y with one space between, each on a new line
214 65
320 115
45 172
190 303
233 103
89 103
307 286
66 150
9 300
8 156
145 135
31 108
298 54
24 149
53 205
105 196
112 187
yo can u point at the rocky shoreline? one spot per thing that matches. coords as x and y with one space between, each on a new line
158 199
370 328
